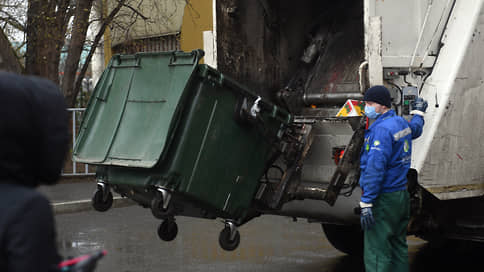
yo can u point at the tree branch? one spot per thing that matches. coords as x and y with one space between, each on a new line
11 20
99 35
137 12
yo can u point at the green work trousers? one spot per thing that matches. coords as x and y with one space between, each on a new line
385 243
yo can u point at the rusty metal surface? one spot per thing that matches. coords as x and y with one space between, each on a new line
349 163
263 45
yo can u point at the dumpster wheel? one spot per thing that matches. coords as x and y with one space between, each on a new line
168 230
229 239
159 211
101 202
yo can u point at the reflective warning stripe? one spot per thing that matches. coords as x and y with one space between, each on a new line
402 133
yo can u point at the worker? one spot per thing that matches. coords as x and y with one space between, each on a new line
33 143
385 161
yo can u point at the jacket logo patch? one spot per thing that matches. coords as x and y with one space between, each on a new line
406 146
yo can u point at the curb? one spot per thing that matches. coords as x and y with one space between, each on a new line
85 205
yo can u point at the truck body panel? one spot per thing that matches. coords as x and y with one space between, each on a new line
309 58
449 154
308 53
441 39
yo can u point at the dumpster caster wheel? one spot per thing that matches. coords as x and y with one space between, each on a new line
168 230
159 211
229 239
101 202
161 207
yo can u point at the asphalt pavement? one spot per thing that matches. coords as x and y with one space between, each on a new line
268 243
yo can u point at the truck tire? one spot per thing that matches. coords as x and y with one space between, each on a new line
347 239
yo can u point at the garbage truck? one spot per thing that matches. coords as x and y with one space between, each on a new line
284 70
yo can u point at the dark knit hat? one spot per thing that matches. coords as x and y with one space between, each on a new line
380 95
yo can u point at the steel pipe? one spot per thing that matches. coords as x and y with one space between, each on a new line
330 98
311 190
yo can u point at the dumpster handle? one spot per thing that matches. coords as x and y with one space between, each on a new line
196 55
221 79
136 65
254 111
278 114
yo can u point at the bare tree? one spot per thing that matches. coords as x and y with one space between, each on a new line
12 18
72 76
8 58
46 27
72 90
59 26
76 46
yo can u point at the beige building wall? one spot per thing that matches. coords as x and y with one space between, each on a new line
155 18
167 25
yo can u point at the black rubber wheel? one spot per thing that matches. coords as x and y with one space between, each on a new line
225 241
168 230
158 211
347 239
99 204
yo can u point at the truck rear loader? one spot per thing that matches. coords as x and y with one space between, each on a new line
298 63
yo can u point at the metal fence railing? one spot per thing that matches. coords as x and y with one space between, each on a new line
72 168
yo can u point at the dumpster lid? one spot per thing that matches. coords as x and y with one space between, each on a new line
130 118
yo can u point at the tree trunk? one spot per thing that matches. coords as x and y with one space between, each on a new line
97 39
46 27
76 46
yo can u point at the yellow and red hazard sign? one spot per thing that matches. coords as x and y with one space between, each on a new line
352 108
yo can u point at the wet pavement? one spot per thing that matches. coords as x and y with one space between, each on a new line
69 191
268 243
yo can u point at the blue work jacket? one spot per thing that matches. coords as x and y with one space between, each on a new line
386 154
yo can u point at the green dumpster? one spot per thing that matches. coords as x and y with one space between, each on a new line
178 137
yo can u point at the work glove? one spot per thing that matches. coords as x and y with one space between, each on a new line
419 106
366 217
